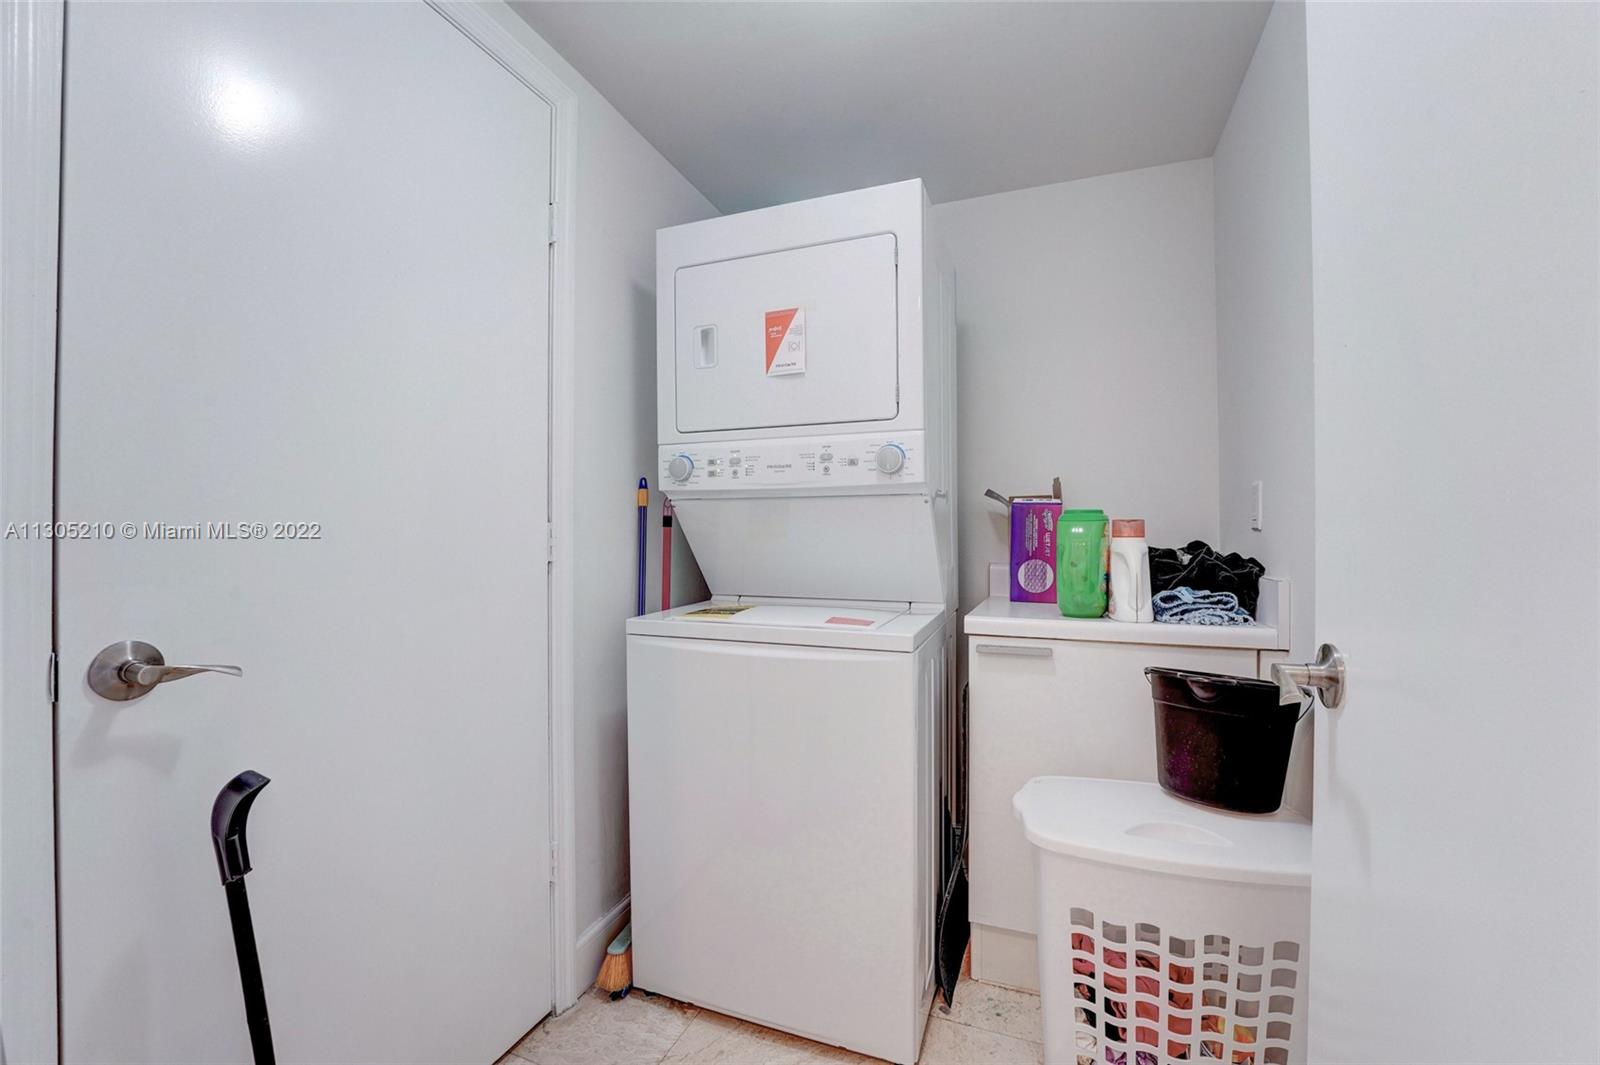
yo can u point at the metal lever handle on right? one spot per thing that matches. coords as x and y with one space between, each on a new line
1325 676
131 668
148 674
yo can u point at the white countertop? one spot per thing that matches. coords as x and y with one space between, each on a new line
998 616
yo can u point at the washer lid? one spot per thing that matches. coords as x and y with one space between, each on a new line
820 623
1131 823
793 616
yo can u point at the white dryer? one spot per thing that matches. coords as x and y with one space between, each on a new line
805 361
784 739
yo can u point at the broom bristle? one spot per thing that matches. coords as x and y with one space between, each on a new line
616 971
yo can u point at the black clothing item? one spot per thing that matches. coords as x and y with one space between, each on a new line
1199 566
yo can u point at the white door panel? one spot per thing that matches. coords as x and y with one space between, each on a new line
845 291
1454 225
304 278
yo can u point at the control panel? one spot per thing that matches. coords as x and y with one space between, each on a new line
812 462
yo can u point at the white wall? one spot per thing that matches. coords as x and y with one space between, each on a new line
625 192
1087 315
1262 172
1262 177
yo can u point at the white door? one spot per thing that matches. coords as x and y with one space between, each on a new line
304 280
1455 246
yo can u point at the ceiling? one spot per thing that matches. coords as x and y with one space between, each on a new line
762 103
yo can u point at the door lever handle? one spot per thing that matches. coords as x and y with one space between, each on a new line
131 668
148 674
1325 676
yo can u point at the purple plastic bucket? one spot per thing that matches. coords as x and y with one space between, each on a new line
1220 740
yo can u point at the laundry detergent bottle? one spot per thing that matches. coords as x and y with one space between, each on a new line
1130 572
1082 555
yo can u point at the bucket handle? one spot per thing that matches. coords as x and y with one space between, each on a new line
1307 701
1205 691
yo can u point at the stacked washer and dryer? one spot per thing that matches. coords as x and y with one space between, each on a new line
786 739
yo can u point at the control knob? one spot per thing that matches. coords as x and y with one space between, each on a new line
680 468
891 459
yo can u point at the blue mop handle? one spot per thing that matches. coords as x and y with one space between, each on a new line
644 513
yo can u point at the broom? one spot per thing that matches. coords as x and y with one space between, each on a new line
616 969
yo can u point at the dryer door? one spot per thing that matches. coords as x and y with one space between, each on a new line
800 337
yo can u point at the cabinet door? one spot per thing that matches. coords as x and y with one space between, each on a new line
1056 708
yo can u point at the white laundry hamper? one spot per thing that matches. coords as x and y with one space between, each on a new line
1168 931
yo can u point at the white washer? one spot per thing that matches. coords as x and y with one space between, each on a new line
783 813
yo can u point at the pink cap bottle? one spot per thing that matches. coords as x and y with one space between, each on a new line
1130 572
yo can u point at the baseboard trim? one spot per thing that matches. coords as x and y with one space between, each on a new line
1001 956
592 944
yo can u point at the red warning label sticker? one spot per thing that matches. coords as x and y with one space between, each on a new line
786 342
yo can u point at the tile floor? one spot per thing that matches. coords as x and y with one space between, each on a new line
988 1025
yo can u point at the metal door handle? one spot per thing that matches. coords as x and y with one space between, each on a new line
1015 650
1325 676
131 668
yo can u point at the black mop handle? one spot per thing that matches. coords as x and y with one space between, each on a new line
228 816
255 993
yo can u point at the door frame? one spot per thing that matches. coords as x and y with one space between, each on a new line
30 185
32 47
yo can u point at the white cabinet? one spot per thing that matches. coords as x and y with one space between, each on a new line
1058 696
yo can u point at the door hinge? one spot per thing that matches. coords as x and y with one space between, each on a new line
553 853
549 542
551 225
53 676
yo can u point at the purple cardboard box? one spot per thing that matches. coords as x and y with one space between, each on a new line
1033 548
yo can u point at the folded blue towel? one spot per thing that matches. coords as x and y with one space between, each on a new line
1185 606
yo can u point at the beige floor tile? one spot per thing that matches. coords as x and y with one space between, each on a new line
948 1043
996 1009
988 1026
714 1038
637 1030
